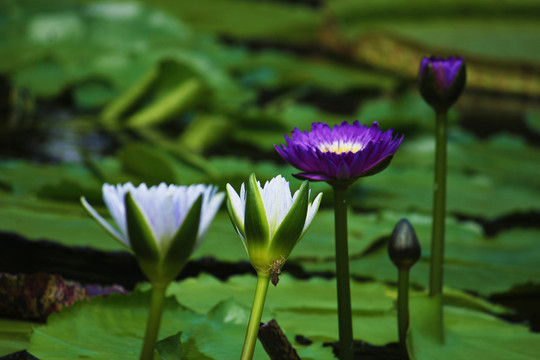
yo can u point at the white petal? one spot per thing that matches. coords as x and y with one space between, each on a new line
312 210
277 200
113 196
238 205
158 207
104 224
211 204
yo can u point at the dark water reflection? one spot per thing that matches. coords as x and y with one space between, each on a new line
59 137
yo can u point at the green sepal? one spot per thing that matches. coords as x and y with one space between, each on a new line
183 243
256 222
141 238
289 231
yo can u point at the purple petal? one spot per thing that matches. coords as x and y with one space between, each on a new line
343 152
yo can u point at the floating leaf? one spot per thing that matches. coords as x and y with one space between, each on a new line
67 225
247 19
31 179
472 261
301 307
484 179
469 334
111 327
14 335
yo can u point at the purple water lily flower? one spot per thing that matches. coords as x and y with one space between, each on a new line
341 154
442 80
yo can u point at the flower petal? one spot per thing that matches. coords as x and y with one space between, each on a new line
339 154
210 206
312 210
236 210
290 229
104 224
182 244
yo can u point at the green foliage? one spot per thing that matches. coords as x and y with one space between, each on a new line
468 334
110 327
201 91
14 335
472 261
113 327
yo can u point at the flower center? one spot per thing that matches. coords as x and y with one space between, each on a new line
339 147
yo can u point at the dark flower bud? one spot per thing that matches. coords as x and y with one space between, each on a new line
403 247
442 81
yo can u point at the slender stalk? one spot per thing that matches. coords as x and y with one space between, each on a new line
342 275
403 307
255 318
154 320
439 214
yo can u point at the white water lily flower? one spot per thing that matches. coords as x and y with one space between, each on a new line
162 224
270 220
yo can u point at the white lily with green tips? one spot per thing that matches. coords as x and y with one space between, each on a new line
270 221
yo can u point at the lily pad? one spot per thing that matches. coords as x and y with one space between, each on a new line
26 178
472 261
14 335
468 334
301 307
308 307
67 225
475 195
289 295
111 327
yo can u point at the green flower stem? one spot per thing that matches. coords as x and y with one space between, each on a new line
154 320
403 307
439 214
255 318
342 274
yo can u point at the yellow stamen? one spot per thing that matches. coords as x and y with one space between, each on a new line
339 147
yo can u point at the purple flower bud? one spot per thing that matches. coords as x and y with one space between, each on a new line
442 81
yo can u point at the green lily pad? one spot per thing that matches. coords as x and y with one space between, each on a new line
308 307
153 165
472 261
477 195
221 335
14 335
44 180
468 334
247 19
289 295
494 159
408 114
67 225
270 69
301 307
111 327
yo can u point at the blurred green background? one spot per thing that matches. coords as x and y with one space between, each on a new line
201 91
